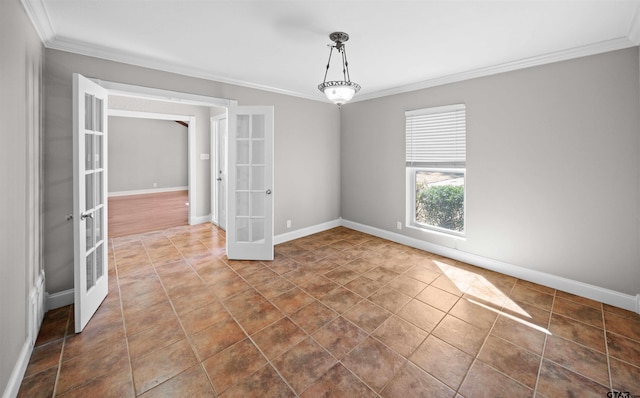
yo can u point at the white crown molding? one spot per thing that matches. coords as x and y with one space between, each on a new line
91 50
37 12
564 55
634 28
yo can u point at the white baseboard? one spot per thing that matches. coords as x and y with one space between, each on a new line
13 385
301 233
607 296
60 299
146 191
37 308
200 219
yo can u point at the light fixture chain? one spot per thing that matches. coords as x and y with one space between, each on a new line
345 70
328 63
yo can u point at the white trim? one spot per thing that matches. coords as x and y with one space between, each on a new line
60 299
301 233
13 385
201 219
146 191
191 174
134 91
37 12
607 296
634 28
577 52
145 115
214 141
93 50
37 308
135 59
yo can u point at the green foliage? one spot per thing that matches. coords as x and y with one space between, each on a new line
440 206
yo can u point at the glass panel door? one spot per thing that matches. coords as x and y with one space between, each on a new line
90 206
250 229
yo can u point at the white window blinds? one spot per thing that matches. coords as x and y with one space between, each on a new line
436 137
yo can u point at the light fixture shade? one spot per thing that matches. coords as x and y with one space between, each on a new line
339 92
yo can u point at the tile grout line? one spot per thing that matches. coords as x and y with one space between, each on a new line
60 360
126 339
544 344
606 348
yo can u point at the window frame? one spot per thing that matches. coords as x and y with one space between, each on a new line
431 165
411 221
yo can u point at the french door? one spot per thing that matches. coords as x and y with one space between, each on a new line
89 198
250 183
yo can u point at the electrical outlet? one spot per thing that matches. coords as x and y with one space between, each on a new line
399 225
288 223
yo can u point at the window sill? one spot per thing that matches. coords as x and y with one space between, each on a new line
438 232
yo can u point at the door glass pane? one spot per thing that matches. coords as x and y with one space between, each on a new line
89 230
243 126
242 151
88 151
99 253
257 229
99 187
88 111
98 150
242 203
257 204
257 152
257 178
98 221
242 177
257 128
98 115
88 191
242 229
90 273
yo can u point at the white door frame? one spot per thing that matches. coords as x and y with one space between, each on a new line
132 90
215 166
191 145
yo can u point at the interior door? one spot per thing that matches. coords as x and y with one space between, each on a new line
89 198
250 182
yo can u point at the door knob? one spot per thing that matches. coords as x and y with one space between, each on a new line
219 179
86 215
268 192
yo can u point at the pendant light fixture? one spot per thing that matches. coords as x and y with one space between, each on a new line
339 91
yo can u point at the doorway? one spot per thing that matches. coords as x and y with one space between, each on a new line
148 177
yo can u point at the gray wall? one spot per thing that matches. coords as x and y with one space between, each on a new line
146 151
553 164
306 158
20 88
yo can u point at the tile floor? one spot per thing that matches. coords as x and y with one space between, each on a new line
339 314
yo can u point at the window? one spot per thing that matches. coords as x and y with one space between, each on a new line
436 168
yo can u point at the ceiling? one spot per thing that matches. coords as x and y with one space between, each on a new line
281 46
